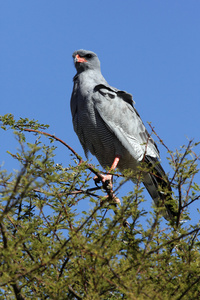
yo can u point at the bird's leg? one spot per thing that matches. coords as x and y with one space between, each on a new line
107 182
108 178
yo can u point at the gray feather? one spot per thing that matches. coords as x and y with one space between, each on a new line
107 124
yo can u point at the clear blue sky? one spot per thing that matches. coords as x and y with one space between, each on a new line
149 48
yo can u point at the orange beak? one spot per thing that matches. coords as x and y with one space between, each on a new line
80 59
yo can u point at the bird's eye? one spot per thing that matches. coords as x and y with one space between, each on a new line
88 55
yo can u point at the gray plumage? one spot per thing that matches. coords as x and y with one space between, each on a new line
107 124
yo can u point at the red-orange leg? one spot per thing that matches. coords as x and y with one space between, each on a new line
108 177
115 162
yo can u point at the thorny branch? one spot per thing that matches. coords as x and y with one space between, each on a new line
173 240
161 141
116 274
106 185
17 292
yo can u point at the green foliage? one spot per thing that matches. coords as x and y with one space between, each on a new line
49 249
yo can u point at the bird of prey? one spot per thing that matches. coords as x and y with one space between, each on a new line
109 127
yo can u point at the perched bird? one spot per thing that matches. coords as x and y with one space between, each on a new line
108 125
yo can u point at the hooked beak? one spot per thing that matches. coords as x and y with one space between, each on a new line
79 59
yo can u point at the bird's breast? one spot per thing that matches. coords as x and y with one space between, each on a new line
94 134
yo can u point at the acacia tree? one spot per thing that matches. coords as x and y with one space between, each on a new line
51 250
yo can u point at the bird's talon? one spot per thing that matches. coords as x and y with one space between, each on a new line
106 181
96 180
117 200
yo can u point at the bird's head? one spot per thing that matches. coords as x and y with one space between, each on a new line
84 60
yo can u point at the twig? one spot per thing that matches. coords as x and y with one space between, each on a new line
180 163
173 240
189 287
74 293
161 141
55 138
89 166
17 292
